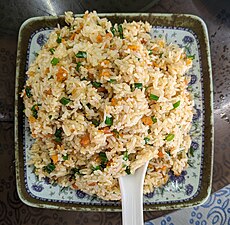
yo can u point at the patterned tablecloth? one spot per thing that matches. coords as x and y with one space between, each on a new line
12 211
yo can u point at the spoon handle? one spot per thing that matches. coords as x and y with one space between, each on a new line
132 197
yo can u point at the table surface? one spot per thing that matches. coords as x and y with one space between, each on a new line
216 14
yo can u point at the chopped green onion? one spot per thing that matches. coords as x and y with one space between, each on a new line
127 170
103 157
64 101
59 39
65 157
96 84
160 55
96 168
54 61
28 91
49 168
153 97
52 50
78 66
95 122
149 131
150 52
34 110
138 85
109 121
126 156
58 134
81 54
146 140
154 119
191 151
191 57
170 137
177 104
120 30
113 30
112 81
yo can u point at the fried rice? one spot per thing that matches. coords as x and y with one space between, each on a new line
103 99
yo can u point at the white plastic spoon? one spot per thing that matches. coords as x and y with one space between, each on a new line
132 197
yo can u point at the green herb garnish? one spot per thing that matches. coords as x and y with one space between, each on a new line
150 52
177 104
170 137
138 85
78 66
58 134
153 97
120 30
154 119
109 121
146 140
103 157
28 91
191 57
127 170
96 84
34 110
54 61
65 101
52 50
126 156
95 122
113 30
96 168
59 39
65 157
112 81
81 54
49 168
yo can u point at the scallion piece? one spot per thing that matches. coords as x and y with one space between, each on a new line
81 54
96 168
78 66
49 168
191 57
34 110
146 140
138 85
109 121
113 30
28 91
54 61
65 157
103 157
153 97
126 156
52 50
127 170
64 101
96 84
120 30
154 119
96 123
58 134
59 39
150 52
112 81
177 104
170 137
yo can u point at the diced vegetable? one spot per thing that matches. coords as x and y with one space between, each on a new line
54 158
147 120
95 122
126 156
120 30
170 137
146 140
136 85
191 57
85 140
150 52
113 30
153 97
96 84
64 101
58 135
154 119
112 81
127 170
160 154
65 157
54 61
177 104
191 151
96 168
62 74
52 50
103 157
115 132
49 168
59 39
81 54
34 110
28 91
109 121
75 171
78 66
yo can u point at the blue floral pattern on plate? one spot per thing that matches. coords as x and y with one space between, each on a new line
182 188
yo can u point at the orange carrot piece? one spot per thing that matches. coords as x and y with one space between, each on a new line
85 140
72 36
113 101
54 158
106 130
160 154
32 119
147 120
62 74
133 47
99 38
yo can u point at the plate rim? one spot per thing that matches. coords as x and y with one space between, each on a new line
200 198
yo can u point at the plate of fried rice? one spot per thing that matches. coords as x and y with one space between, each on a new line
97 96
